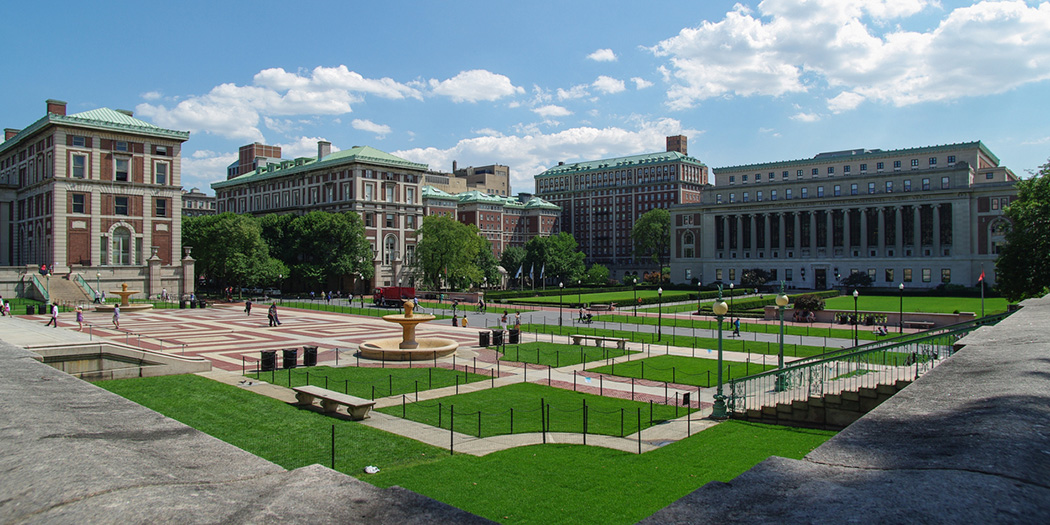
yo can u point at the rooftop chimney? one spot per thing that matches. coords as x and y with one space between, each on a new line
127 112
57 107
454 166
324 149
9 133
677 143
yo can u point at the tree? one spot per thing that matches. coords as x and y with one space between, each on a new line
329 245
857 280
511 259
229 248
809 302
1023 267
447 252
276 231
652 235
557 257
486 262
597 274
754 277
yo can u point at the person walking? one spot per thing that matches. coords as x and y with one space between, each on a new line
116 316
272 314
248 307
736 328
54 315
80 318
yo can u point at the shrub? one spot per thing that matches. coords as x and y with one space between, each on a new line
809 302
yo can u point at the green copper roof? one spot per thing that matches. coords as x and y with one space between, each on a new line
359 154
862 155
631 161
430 192
537 202
477 196
101 118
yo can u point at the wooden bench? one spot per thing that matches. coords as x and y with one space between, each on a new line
925 325
601 308
620 343
330 400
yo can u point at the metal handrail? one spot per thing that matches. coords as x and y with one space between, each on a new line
40 288
79 279
867 366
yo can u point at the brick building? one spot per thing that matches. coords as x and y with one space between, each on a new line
504 221
196 203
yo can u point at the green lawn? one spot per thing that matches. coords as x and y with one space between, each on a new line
623 298
536 484
865 332
369 382
558 355
683 370
515 409
943 305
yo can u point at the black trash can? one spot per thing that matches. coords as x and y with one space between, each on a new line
291 355
193 304
201 303
513 336
182 304
309 356
497 337
269 360
31 310
483 338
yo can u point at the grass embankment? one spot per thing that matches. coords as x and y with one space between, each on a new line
806 330
623 298
940 305
514 409
369 382
682 370
535 484
557 355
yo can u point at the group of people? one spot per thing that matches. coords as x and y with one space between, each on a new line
5 307
53 320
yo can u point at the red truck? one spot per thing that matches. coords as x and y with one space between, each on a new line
393 295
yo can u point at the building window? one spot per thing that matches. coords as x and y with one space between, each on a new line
951 159
907 185
871 274
863 168
933 161
880 166
798 174
787 194
718 198
852 189
813 172
773 195
837 190
162 150
871 187
78 203
743 178
79 166
946 275
390 193
732 198
161 207
820 191
784 175
105 251
889 186
805 193
896 165
732 274
121 246
758 196
369 221
120 145
410 222
927 275
120 205
390 220
369 192
889 275
745 196
77 140
944 183
732 179
718 275
160 175
410 195
788 274
995 204
925 184
831 170
907 275
914 163
120 170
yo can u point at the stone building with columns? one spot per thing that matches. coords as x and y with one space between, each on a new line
385 190
95 196
918 216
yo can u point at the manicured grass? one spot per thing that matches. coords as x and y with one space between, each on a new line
369 382
622 298
865 332
701 343
682 370
557 355
515 409
535 484
943 305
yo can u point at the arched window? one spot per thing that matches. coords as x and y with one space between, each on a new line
997 234
389 249
121 247
688 246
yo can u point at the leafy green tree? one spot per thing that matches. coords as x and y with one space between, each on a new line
276 231
857 279
597 274
754 277
511 259
229 248
329 245
487 263
652 235
447 252
558 256
809 302
1023 267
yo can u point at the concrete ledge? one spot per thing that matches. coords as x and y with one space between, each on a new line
966 443
107 360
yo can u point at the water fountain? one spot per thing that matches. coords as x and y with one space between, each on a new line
407 347
125 306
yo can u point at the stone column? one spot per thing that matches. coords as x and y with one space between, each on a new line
753 219
830 239
725 234
935 239
864 232
189 280
767 245
846 240
813 233
916 231
739 222
881 239
781 242
155 285
797 245
898 241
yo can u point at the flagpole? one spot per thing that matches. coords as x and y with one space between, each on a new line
981 283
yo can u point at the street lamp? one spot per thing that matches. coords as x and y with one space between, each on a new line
718 411
98 287
856 319
561 291
699 291
901 319
731 286
579 292
660 312
48 276
782 301
634 285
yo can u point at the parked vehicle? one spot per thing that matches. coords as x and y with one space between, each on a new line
393 295
272 292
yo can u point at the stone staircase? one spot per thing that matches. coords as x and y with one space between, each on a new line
832 411
66 291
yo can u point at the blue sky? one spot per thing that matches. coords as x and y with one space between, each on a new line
528 84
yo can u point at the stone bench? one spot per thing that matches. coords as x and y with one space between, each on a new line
924 325
601 308
598 341
357 407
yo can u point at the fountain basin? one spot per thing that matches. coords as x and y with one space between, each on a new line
426 348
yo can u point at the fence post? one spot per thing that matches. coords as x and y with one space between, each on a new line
402 406
543 420
639 430
584 421
333 447
451 428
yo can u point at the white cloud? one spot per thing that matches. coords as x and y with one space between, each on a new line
608 85
551 111
234 111
574 92
842 45
152 95
381 130
303 147
531 151
603 55
475 85
487 132
203 167
641 83
805 117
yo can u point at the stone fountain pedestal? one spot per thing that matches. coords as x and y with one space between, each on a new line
407 347
125 306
